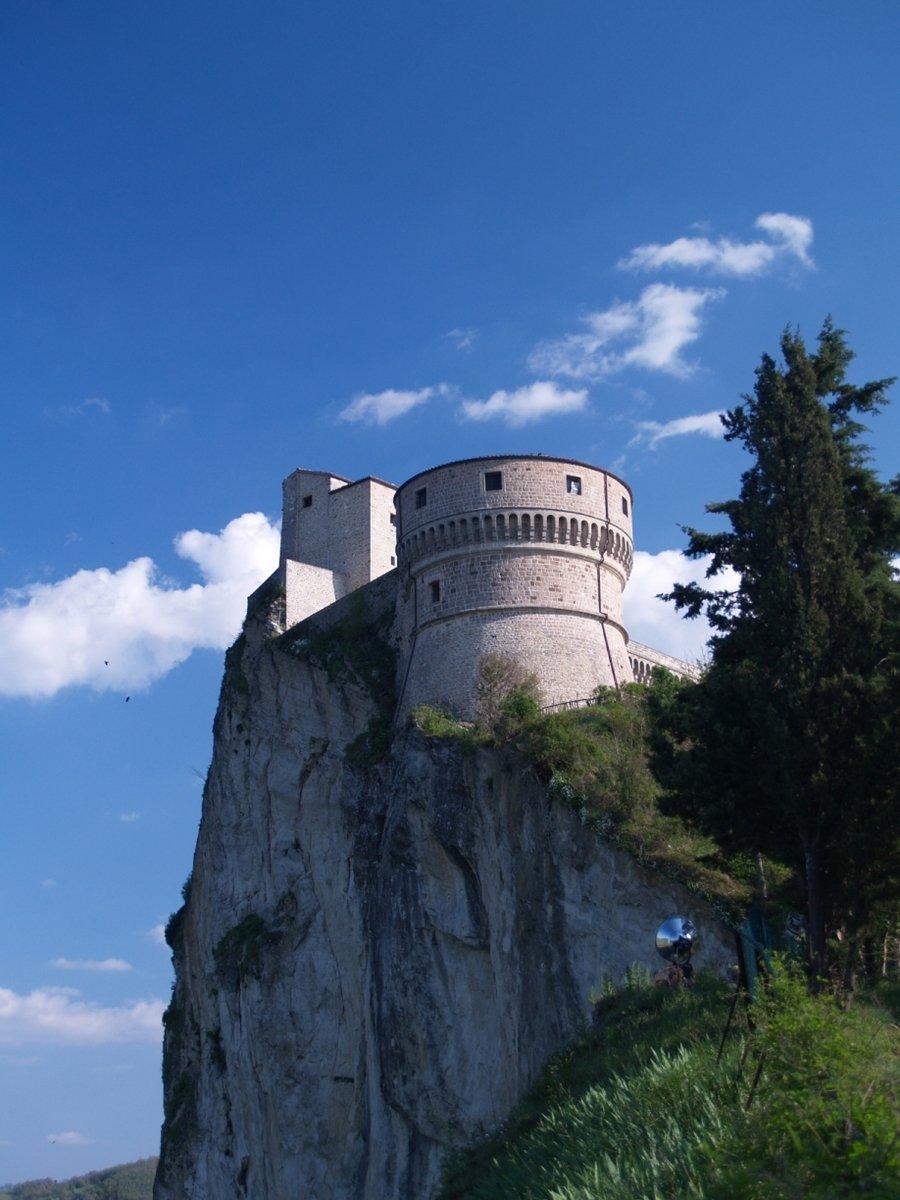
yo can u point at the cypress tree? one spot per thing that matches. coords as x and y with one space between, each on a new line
787 745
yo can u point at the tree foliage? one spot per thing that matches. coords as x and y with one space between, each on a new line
787 745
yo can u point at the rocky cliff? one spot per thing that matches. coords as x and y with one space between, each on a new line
374 960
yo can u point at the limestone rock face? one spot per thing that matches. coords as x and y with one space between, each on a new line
373 964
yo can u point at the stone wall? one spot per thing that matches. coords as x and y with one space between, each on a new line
528 482
644 658
525 557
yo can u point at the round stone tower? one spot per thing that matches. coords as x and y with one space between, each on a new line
522 556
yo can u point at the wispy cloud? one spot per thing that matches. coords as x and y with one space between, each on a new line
651 433
526 405
128 818
157 935
120 630
378 408
59 1016
462 339
103 964
97 403
649 333
71 1137
791 238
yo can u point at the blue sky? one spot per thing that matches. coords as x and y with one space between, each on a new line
367 238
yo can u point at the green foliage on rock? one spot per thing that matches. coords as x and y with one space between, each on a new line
373 744
234 671
354 648
238 953
595 759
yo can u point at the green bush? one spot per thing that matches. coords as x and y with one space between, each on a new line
823 1122
435 723
238 953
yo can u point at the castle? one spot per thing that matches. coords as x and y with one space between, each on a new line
522 556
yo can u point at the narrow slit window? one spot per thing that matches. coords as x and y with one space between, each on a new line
435 588
573 485
493 481
421 497
393 518
625 505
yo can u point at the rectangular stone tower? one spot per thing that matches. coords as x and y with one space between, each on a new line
335 537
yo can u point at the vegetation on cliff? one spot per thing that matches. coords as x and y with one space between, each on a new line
655 1102
596 759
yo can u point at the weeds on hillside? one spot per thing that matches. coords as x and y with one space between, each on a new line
596 760
644 1107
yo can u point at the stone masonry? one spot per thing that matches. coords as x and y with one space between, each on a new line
524 556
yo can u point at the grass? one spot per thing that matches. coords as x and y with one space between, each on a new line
640 1107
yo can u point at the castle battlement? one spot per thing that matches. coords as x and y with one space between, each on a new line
523 556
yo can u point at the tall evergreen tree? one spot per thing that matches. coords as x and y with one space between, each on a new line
788 743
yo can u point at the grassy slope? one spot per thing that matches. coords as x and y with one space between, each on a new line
640 1109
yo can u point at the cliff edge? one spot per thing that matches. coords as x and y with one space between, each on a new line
375 959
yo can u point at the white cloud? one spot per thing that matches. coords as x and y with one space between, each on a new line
463 339
104 964
792 237
655 622
128 818
96 402
377 408
71 1137
649 333
59 1016
157 935
525 405
121 630
795 233
651 433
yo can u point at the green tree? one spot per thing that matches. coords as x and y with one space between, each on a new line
788 744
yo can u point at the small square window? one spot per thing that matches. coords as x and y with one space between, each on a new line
393 561
493 481
435 588
393 518
573 485
307 501
625 505
421 497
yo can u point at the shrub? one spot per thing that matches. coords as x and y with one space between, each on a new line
238 953
500 678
